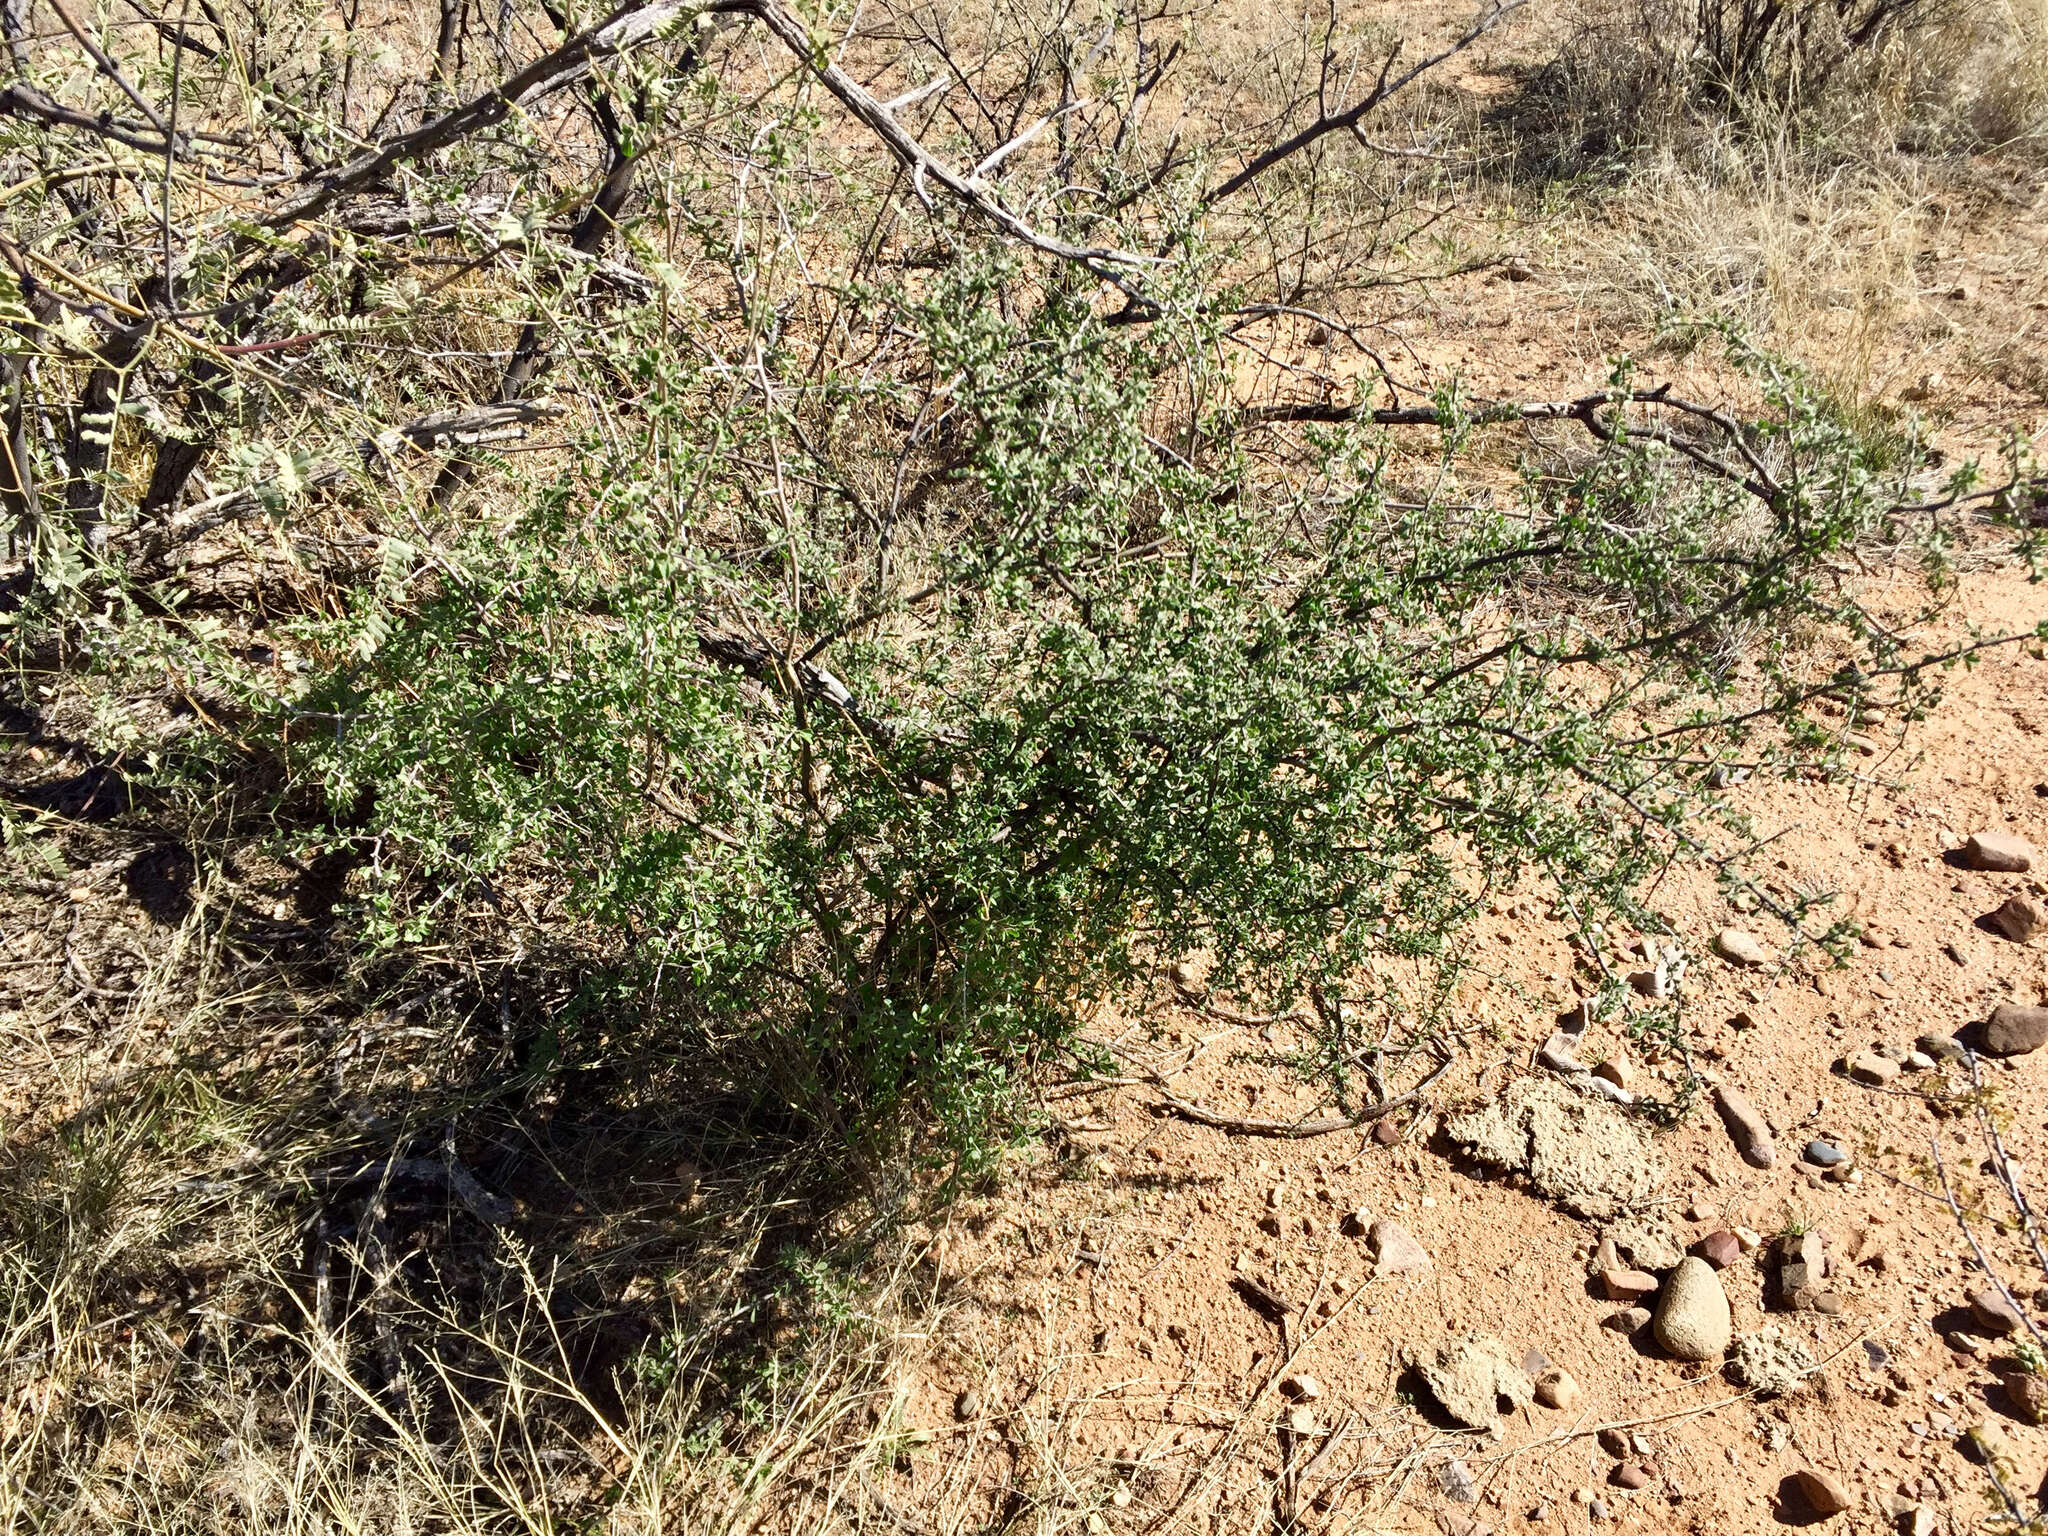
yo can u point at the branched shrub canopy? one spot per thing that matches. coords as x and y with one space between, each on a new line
917 618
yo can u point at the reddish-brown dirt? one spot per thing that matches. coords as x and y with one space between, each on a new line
1097 1311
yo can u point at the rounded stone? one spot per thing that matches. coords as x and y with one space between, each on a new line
2028 1395
1824 1153
1555 1388
1693 1321
1993 1313
1740 948
1823 1495
2014 1030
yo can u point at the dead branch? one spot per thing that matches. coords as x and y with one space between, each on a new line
438 429
1295 1130
1983 1259
923 165
1388 84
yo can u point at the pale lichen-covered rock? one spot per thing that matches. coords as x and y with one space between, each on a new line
1475 1378
1771 1363
1586 1155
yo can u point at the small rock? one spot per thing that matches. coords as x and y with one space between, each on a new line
1750 1132
1993 1313
967 1405
1869 1067
1457 1482
1720 1249
1598 1510
1558 1055
1555 1388
1806 1248
1302 1387
1798 1284
1825 1154
1917 1061
1301 1419
1396 1251
1627 1284
1607 1255
1964 1343
1618 1071
1628 1320
1534 1362
1613 1442
1827 1304
1920 1520
1740 948
1693 1321
2014 1030
1630 1474
1750 1238
2028 1394
1652 984
1823 1495
1607 1089
1940 1047
2000 852
1386 1133
2019 919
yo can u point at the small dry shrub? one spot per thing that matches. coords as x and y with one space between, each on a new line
1846 80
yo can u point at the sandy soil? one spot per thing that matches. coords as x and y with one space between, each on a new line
1099 1315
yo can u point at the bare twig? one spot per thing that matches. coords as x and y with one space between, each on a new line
1298 1129
1983 1259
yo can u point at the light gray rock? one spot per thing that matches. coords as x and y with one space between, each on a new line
1693 1321
1740 948
1586 1155
1395 1250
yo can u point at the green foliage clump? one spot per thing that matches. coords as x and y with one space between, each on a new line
885 791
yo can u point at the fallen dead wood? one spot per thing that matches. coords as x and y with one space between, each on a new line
1295 1130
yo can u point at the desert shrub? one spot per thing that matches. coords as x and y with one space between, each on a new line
1119 698
913 629
1843 80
